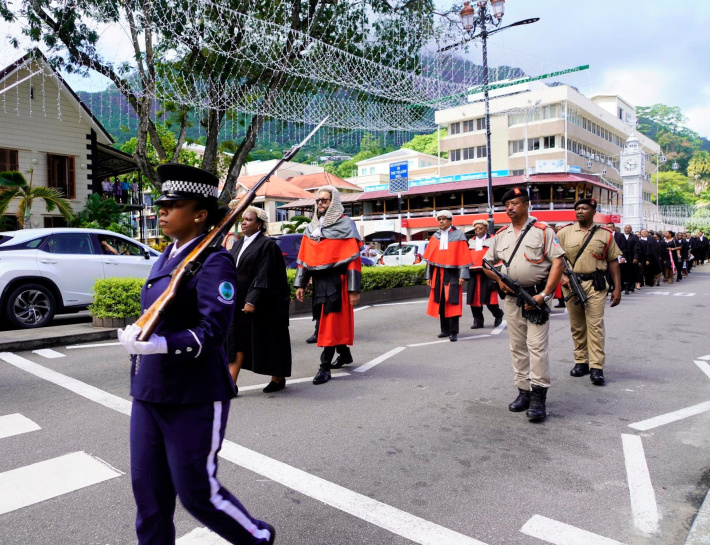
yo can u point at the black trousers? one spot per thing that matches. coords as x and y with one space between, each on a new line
628 275
477 312
326 357
449 326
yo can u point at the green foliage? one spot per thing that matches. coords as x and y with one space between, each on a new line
117 298
369 147
379 278
13 185
98 213
297 224
675 189
699 170
169 141
427 143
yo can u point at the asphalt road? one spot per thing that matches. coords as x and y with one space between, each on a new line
418 448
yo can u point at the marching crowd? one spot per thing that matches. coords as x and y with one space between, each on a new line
233 315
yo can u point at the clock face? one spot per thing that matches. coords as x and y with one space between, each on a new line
631 164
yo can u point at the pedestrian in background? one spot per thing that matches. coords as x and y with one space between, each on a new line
481 289
448 261
180 380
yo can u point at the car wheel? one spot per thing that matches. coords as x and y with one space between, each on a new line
29 306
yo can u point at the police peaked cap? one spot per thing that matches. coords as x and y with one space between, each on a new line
182 182
514 193
589 202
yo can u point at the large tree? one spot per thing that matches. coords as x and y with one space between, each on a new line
699 170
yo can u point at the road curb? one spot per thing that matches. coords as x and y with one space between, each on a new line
102 334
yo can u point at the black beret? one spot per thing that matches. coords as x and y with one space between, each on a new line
182 182
588 202
515 192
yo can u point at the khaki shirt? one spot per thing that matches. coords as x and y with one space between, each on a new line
599 252
533 260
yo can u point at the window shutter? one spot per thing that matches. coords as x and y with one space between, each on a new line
71 178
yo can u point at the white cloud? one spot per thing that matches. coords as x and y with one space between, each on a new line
699 119
641 86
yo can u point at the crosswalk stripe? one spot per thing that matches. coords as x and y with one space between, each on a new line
48 353
288 382
560 533
201 536
44 480
15 424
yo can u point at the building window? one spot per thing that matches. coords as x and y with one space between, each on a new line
455 128
481 152
455 155
54 221
61 174
548 142
372 170
363 172
468 125
8 160
481 124
517 172
533 144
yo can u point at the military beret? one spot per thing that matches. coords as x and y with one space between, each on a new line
588 202
514 193
183 182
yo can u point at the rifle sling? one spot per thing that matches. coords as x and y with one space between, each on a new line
520 240
589 239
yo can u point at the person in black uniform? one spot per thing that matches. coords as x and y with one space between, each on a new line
259 339
180 380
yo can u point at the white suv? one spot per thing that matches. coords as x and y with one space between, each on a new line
412 253
48 271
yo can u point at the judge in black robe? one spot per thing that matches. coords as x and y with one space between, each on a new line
259 339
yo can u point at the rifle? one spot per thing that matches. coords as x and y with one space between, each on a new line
574 284
539 314
192 263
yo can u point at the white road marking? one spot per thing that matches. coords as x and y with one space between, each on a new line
560 533
44 480
426 344
700 530
683 294
370 364
705 358
402 303
657 293
390 518
289 381
48 353
85 390
16 424
302 318
72 347
643 498
385 516
361 308
667 418
500 328
704 367
474 337
201 536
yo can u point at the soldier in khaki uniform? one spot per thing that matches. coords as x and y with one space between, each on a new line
537 266
600 253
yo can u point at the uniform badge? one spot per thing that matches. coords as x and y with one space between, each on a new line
226 293
555 241
516 191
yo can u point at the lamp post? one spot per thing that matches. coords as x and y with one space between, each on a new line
481 21
530 110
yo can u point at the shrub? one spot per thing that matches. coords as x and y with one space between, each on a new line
117 298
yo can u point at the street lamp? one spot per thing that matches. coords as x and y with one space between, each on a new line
530 109
473 22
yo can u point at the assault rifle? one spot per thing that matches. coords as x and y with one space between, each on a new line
539 314
574 285
192 263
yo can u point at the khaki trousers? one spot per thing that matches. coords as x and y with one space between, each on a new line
587 325
528 347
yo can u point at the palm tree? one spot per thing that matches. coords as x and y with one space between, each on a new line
14 185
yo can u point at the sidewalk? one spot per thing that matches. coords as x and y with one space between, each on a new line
46 337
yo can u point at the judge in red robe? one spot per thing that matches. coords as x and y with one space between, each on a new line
448 261
481 289
330 256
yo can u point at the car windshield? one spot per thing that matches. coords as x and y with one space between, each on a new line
394 250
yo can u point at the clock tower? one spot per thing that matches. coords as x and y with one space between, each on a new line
633 168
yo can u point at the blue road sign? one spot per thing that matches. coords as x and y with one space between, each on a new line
399 177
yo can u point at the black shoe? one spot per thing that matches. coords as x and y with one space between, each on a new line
537 411
521 402
453 337
477 325
236 390
275 386
312 339
272 532
342 360
498 321
579 370
321 377
597 377
442 335
626 292
561 304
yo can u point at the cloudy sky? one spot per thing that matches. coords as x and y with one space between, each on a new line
647 51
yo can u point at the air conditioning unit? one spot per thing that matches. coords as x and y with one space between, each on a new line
589 164
604 171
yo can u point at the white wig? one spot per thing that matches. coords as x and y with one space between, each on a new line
261 214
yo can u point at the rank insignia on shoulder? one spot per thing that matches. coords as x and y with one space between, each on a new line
226 293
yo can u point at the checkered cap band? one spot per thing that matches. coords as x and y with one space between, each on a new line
206 190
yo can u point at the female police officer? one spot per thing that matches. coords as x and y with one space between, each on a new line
180 380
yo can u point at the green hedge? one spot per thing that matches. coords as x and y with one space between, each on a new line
117 298
380 278
120 297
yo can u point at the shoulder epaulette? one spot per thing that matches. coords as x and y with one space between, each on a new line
567 225
540 225
501 229
606 229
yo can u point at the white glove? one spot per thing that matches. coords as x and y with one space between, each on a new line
127 337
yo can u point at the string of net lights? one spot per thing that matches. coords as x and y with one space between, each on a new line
358 91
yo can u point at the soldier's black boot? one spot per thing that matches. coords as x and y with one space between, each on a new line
521 402
537 412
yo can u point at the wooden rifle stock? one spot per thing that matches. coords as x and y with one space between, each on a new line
192 263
